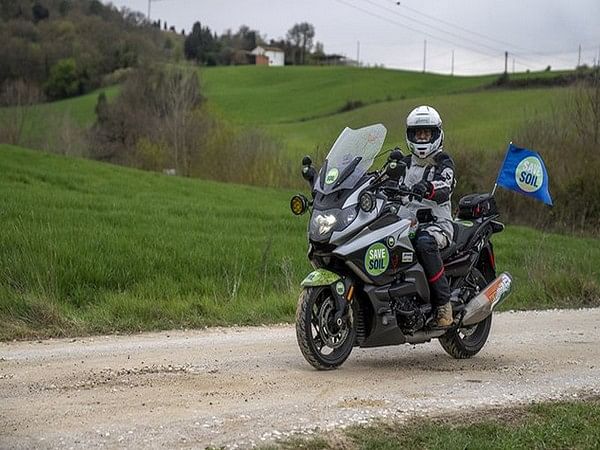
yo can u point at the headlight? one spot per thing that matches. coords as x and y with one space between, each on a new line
325 221
347 216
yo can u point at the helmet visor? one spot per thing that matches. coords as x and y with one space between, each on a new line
422 134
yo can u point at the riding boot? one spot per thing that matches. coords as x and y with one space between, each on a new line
443 316
441 301
429 256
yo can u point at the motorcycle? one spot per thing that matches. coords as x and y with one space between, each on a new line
368 288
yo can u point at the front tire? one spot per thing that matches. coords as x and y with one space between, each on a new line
324 344
465 342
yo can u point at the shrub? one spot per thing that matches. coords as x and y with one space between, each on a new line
351 105
64 80
568 140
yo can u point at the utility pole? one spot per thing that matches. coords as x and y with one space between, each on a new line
149 3
513 65
357 53
579 58
452 72
506 62
424 54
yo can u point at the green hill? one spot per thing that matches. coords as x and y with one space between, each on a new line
266 95
479 120
42 120
94 247
88 247
301 105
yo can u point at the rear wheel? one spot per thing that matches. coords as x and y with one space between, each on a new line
324 344
465 342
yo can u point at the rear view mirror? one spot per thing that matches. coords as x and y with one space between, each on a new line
396 155
308 171
395 170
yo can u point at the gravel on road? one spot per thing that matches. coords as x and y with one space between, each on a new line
241 387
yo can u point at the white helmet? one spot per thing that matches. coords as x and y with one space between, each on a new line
424 117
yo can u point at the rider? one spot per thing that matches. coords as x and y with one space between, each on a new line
430 176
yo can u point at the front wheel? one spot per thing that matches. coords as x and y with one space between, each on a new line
324 344
465 342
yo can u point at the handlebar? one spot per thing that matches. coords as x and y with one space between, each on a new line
396 192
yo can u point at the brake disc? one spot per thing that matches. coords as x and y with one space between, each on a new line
332 335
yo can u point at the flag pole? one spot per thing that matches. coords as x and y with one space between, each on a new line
496 183
494 190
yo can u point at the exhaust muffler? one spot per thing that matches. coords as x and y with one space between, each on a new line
488 299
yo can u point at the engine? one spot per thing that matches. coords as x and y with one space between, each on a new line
409 316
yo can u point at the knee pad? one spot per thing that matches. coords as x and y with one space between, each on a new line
425 243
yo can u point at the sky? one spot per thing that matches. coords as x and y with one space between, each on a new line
411 34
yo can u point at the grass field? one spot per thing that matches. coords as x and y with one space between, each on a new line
266 95
43 119
301 106
89 247
558 425
481 120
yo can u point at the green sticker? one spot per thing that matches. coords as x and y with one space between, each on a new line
377 259
332 175
339 288
391 241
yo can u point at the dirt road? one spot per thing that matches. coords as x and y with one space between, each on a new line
247 386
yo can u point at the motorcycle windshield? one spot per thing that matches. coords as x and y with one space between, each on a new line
350 158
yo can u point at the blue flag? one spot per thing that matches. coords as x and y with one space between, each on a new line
523 171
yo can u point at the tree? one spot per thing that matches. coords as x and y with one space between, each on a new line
301 36
155 122
64 80
22 97
201 45
245 38
39 12
64 7
179 95
96 7
318 54
234 47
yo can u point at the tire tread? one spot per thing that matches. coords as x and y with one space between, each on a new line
302 315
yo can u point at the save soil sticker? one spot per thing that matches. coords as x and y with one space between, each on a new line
529 174
332 175
377 259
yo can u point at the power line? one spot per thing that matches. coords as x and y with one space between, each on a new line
440 30
404 26
504 43
472 63
412 19
466 30
523 50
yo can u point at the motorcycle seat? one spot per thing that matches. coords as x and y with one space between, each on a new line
462 235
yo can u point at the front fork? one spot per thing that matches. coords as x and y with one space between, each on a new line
342 290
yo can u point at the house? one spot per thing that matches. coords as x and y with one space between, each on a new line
269 56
